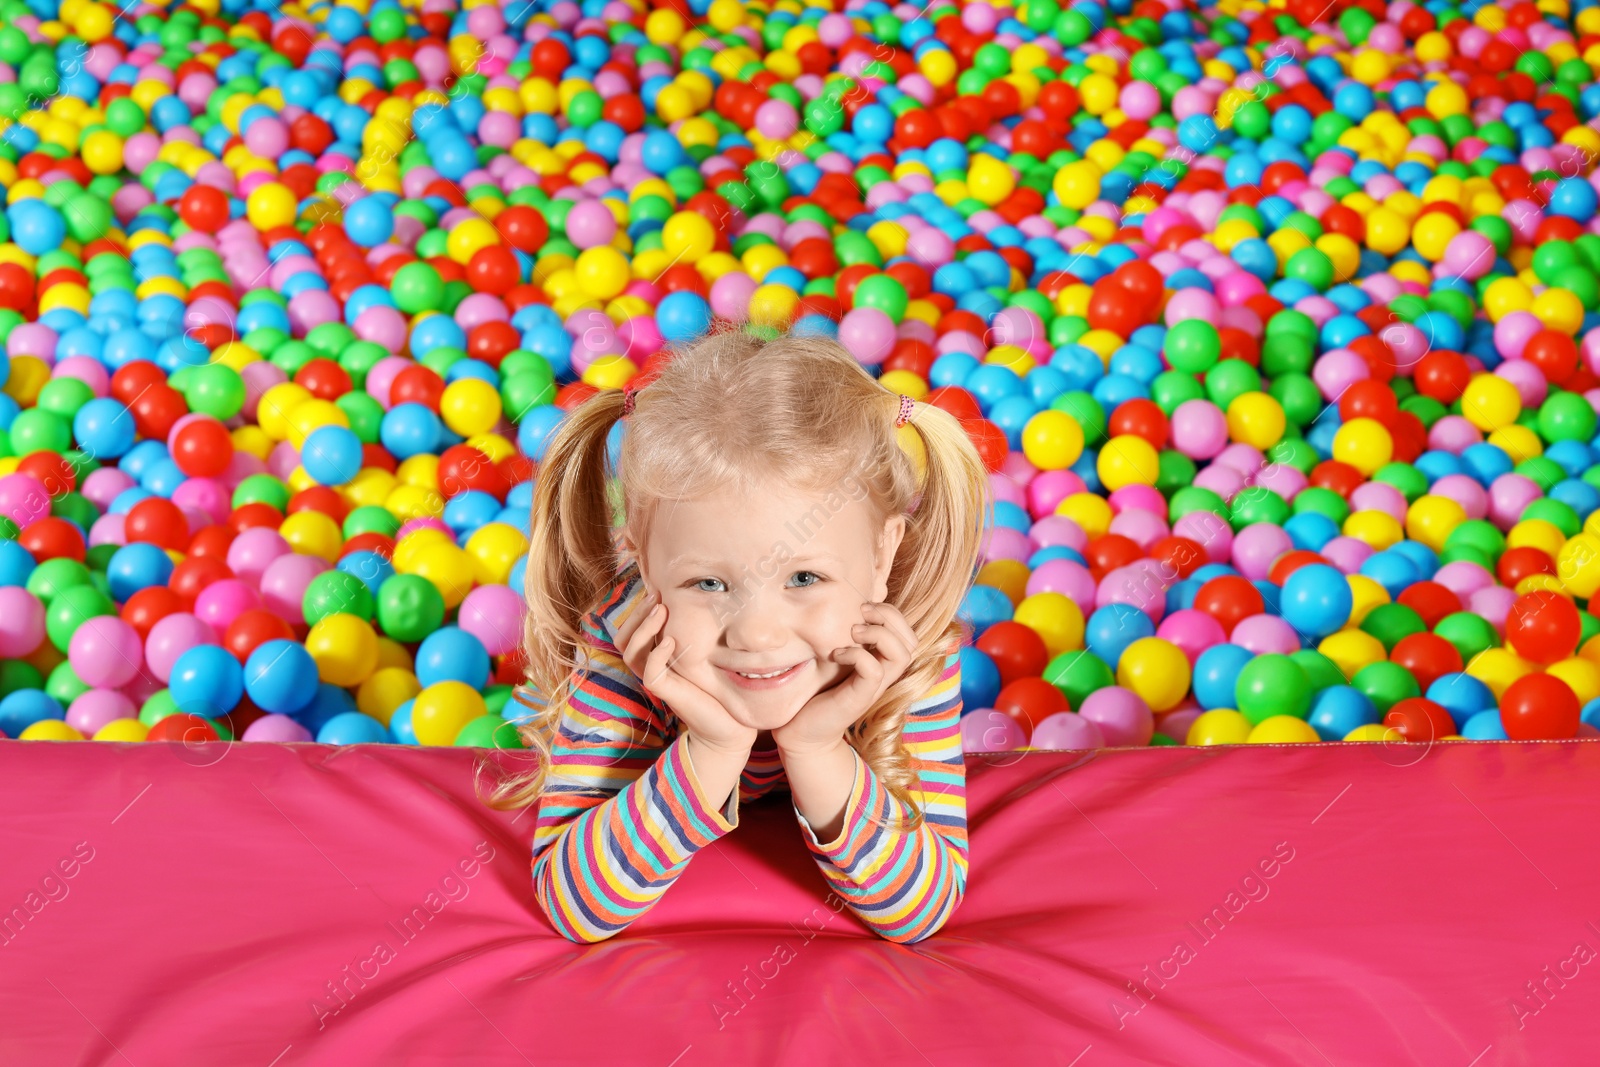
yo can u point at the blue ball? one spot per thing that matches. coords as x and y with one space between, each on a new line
16 563
352 728
24 707
331 454
410 430
1339 709
281 677
980 679
1216 675
1573 198
369 221
36 227
452 654
207 681
682 317
104 429
327 702
1316 600
135 566
400 724
1485 726
1111 629
1462 695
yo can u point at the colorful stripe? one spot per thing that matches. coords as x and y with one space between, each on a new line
623 812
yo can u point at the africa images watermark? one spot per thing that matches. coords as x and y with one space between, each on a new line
740 995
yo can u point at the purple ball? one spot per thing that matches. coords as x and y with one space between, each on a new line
1123 717
493 614
1068 731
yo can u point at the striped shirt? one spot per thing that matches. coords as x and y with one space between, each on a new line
623 813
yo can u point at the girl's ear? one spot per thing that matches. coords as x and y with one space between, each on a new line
894 531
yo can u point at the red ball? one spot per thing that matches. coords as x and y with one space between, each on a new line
1367 399
463 468
1519 563
149 606
1543 627
324 379
1017 651
1430 600
523 227
1230 599
132 379
204 208
1539 707
417 385
494 269
493 341
1554 353
1141 418
1030 701
158 521
252 628
52 470
1108 552
1427 657
157 409
194 574
53 538
203 448
1420 719
184 727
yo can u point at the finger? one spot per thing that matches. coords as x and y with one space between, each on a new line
636 618
868 669
885 641
892 617
646 629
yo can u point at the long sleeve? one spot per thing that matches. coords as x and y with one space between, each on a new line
622 812
904 886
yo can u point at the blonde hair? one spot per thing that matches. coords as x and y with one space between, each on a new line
732 410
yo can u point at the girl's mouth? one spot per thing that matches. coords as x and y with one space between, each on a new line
766 680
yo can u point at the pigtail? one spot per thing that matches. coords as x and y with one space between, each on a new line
572 560
934 566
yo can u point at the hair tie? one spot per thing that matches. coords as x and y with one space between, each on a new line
627 400
906 404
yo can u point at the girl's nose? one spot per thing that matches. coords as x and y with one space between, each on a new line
755 623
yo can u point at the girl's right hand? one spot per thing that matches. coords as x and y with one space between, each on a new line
648 652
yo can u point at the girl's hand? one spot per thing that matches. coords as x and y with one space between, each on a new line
649 654
822 722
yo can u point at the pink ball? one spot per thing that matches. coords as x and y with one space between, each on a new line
253 551
223 601
23 498
1262 634
283 585
104 651
493 614
1199 429
1067 731
1192 631
868 334
1175 723
279 728
21 622
172 636
590 224
777 119
96 707
1257 547
987 730
1123 717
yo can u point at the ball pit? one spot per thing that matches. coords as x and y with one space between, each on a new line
1275 326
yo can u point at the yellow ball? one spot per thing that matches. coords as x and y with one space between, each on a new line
313 533
1387 231
1056 618
1432 234
345 648
102 150
1077 185
470 406
468 237
688 236
94 23
1379 529
1365 444
1128 459
1447 98
1559 309
1156 670
271 205
385 690
442 709
1365 594
990 180
1256 419
1578 565
1089 510
1581 675
448 568
1281 730
773 305
122 730
1497 668
1374 731
49 730
1490 402
664 26
1052 440
494 549
1219 726
1352 650
602 272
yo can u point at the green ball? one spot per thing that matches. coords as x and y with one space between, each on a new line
489 731
19 674
1077 674
417 287
1471 634
1386 684
37 430
1566 417
158 707
1271 685
334 592
1231 379
214 389
409 607
1086 411
884 292
65 685
1193 345
1322 671
261 489
1391 623
55 576
71 609
1171 389
371 518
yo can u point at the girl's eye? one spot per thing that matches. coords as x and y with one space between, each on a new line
807 585
700 585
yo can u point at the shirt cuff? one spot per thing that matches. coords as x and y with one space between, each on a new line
854 812
725 820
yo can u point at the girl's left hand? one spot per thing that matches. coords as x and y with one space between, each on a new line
822 722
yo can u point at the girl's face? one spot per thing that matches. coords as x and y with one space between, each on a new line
763 583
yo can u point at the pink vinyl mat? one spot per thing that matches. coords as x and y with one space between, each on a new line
274 905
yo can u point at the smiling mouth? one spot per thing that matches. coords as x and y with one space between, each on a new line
763 679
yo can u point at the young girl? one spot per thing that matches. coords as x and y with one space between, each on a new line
777 608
